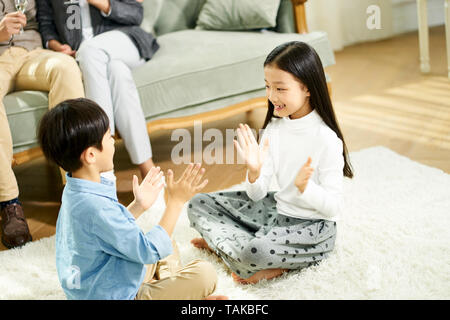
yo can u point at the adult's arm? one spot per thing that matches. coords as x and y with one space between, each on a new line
47 27
126 12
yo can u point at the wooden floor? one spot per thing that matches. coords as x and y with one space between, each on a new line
380 98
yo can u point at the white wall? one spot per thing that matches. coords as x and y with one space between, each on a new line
345 21
404 14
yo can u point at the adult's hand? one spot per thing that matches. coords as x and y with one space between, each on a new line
102 5
11 24
55 45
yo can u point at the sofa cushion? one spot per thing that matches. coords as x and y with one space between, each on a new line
178 15
152 8
24 110
196 66
238 15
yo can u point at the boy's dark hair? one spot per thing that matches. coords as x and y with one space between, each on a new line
70 128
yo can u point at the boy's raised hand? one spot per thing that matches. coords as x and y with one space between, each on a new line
146 193
180 191
189 184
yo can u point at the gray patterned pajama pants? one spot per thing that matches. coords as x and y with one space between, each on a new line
251 236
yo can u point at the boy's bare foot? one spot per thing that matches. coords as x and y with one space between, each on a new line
216 298
200 243
260 275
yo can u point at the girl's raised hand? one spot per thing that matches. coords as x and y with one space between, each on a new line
301 181
146 193
248 149
188 185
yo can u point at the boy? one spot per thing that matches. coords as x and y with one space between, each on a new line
100 250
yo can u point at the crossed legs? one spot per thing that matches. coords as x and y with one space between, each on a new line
258 276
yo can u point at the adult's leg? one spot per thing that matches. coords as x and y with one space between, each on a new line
93 62
129 117
55 72
8 184
116 93
10 62
14 226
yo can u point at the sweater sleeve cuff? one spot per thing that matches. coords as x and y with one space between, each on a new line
254 190
46 39
161 240
107 14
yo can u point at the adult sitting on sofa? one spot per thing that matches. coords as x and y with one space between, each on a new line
108 43
24 65
209 65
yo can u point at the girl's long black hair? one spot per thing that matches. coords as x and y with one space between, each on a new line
302 61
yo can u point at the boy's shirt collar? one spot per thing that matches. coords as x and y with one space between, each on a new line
106 187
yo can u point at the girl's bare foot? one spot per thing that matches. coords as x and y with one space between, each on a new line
200 243
260 275
216 298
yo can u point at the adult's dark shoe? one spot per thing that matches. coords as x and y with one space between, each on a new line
15 232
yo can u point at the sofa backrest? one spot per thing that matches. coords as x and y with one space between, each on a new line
182 14
178 15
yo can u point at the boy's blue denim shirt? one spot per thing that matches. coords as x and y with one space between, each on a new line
100 250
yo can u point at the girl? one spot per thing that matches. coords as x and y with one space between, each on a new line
261 234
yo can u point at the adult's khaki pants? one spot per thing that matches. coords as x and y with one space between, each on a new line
41 70
167 280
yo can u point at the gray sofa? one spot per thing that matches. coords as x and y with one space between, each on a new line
194 75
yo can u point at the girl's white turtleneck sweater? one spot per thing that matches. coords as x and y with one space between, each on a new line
290 144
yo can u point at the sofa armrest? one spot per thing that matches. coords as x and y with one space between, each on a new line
300 16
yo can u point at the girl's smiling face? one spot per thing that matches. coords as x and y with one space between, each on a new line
287 94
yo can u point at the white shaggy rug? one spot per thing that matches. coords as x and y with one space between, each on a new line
393 243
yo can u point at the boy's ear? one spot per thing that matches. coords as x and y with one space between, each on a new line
88 156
